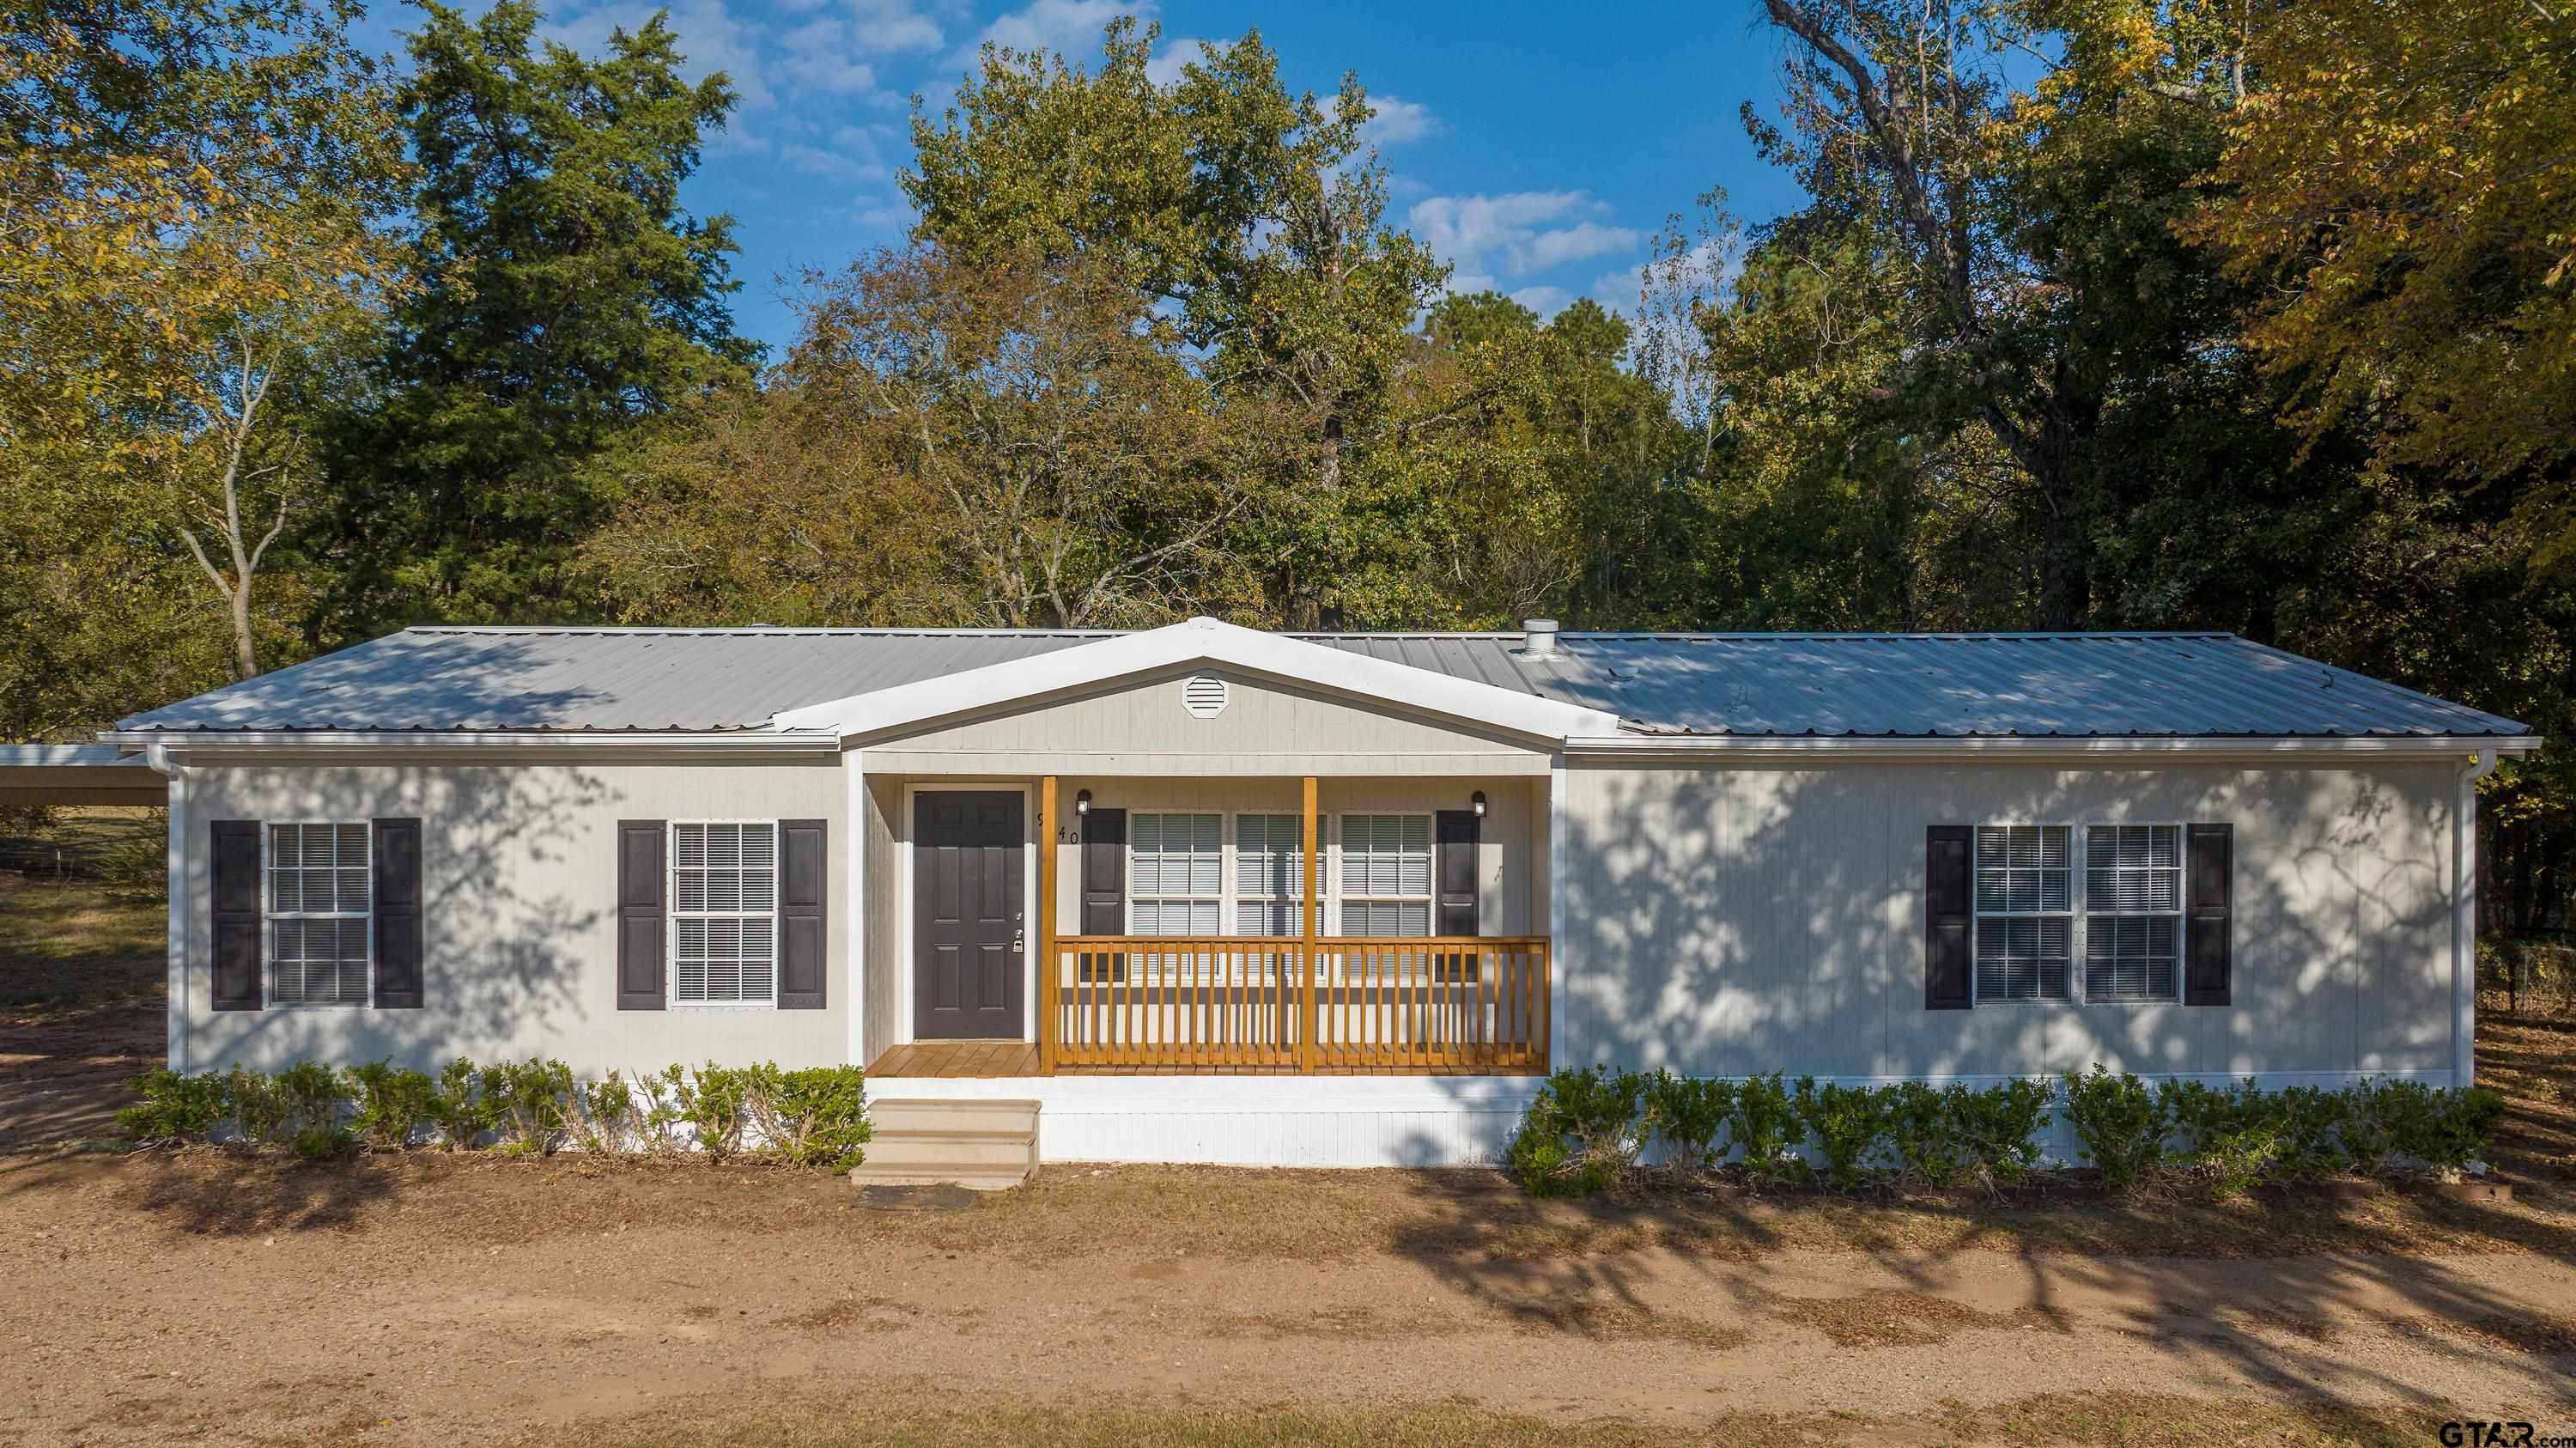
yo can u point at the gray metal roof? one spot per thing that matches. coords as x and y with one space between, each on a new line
1874 685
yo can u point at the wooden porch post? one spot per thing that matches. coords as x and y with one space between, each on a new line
1047 853
1313 918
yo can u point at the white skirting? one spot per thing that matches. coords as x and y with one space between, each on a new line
1315 1121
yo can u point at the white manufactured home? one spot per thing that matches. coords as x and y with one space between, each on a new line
1212 894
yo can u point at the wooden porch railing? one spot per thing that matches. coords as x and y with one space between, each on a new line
1419 1006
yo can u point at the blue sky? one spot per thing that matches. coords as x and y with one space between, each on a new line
1536 146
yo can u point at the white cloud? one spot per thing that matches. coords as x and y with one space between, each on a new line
894 27
1573 243
852 155
710 39
1514 234
1070 28
1465 228
891 214
1397 121
821 56
1165 67
1619 290
1546 301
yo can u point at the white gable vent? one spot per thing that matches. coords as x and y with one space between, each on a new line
1205 696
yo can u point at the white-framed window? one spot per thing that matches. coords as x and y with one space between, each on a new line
1385 878
724 912
2025 913
1269 874
2042 888
318 905
2132 912
1176 873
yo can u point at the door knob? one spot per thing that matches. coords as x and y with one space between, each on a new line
1019 938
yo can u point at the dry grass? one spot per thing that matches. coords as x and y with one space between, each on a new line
931 1415
2544 1334
69 946
1900 1319
2532 1060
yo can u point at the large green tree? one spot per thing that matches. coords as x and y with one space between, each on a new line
1249 210
191 207
563 295
996 441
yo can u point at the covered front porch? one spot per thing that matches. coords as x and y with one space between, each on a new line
1224 926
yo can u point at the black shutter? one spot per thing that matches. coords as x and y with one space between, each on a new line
236 914
640 926
1947 883
1104 890
396 855
2208 904
802 857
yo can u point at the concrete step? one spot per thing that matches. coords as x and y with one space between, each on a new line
901 1115
980 1148
984 1145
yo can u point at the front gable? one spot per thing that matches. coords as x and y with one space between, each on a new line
1203 720
1125 697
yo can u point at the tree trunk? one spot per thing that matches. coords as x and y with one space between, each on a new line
245 650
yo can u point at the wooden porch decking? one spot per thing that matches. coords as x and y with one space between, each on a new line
958 1060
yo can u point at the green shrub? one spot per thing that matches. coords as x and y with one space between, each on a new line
313 1096
1688 1114
1999 1128
1845 1123
603 1116
531 1101
175 1110
2234 1161
393 1104
657 1112
1581 1134
2366 1134
2456 1129
2200 1113
814 1117
712 1101
1923 1134
258 1108
2406 1109
2121 1123
2311 1120
1765 1127
465 1110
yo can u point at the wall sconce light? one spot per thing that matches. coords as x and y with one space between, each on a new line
1082 802
1479 803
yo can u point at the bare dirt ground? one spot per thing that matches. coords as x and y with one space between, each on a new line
204 1298
210 1297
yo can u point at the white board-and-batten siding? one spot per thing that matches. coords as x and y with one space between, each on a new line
519 885
1718 919
1737 921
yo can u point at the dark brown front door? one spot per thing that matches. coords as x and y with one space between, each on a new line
969 943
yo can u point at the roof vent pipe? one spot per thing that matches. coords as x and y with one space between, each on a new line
1538 637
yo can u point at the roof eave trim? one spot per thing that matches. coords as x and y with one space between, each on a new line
1200 640
2041 746
399 741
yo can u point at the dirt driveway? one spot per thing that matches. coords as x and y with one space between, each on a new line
207 1298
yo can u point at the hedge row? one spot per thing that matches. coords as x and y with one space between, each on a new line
1587 1129
815 1117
